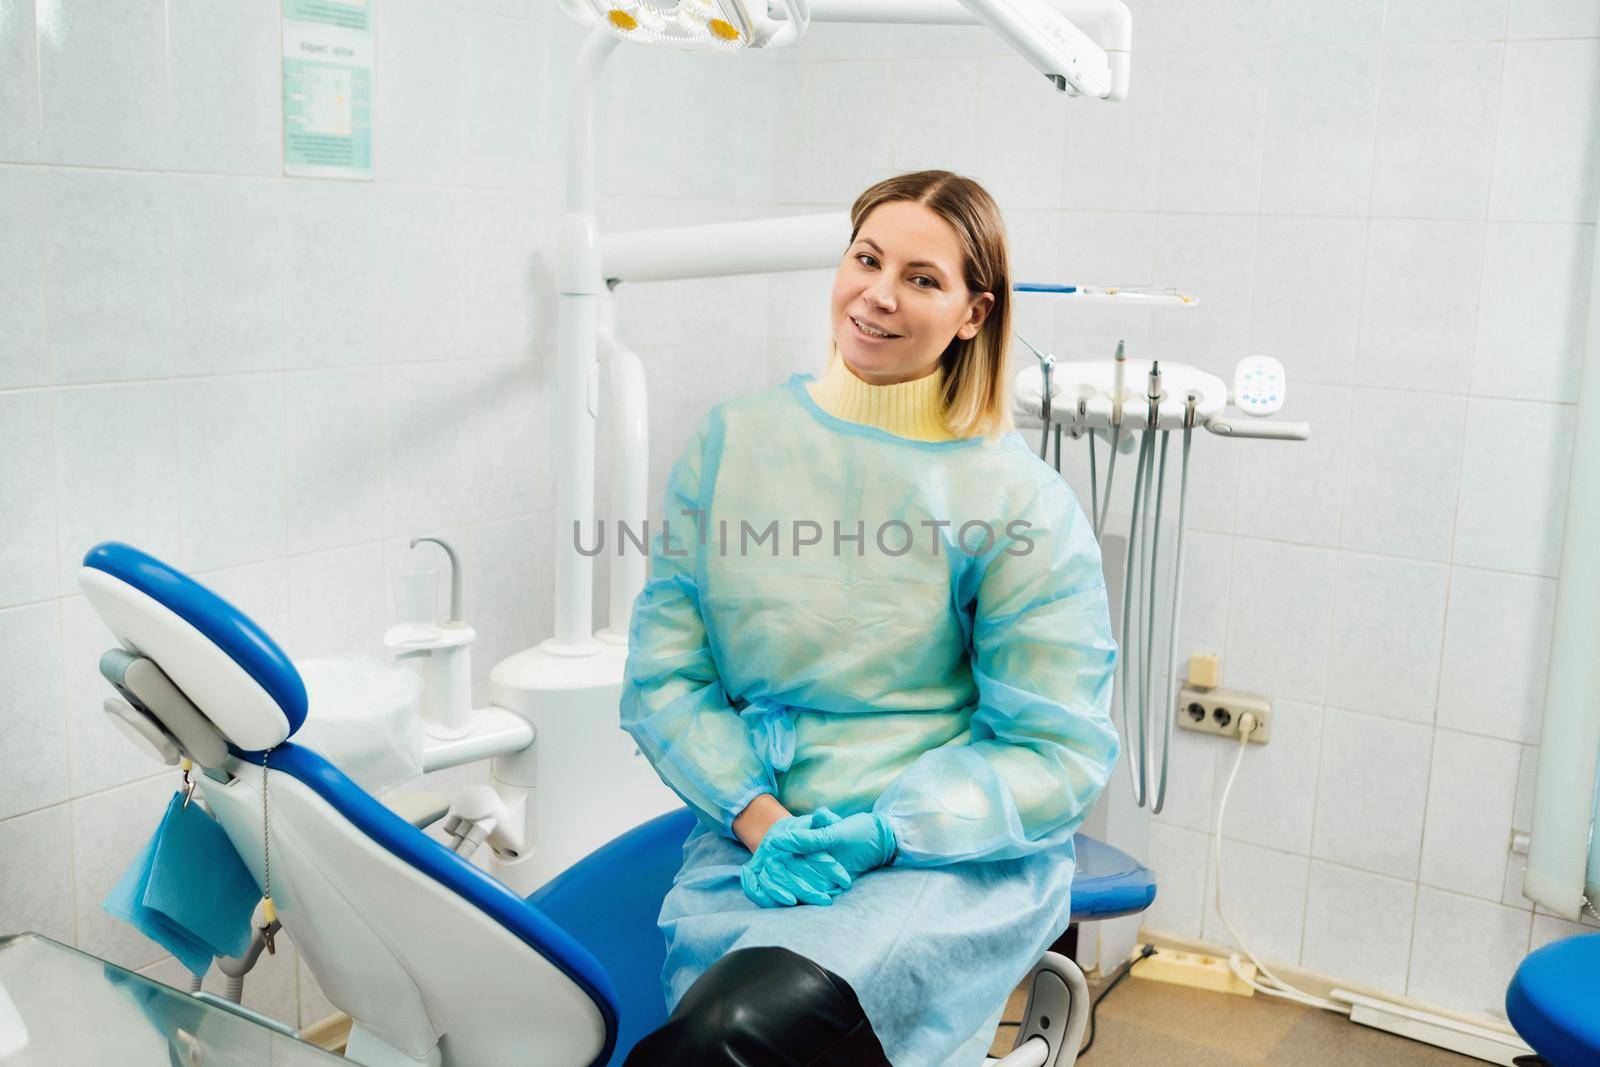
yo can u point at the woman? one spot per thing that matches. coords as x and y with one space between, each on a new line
874 657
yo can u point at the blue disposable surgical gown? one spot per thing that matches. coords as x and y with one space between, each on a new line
847 618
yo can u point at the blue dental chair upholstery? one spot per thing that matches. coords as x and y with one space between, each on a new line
633 873
436 961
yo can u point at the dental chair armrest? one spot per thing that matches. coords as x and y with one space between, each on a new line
421 810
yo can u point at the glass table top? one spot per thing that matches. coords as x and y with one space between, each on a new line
61 1008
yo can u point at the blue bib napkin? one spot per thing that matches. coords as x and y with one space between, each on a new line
188 890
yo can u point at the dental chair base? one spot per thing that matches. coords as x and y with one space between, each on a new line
1054 1020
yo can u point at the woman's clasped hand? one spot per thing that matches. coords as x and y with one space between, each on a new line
777 878
810 859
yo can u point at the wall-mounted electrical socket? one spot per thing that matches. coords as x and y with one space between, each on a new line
1217 711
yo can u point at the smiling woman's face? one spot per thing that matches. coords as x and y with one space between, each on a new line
902 277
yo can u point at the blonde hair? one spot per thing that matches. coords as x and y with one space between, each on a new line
977 382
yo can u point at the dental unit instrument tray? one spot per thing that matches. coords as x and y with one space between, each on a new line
66 1008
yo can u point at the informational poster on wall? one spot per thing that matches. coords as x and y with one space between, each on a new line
327 88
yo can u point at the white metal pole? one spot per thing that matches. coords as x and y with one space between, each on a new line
1569 739
576 387
751 246
628 423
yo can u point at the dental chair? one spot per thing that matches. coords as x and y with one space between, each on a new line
435 961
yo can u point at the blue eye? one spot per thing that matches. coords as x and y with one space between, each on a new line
867 259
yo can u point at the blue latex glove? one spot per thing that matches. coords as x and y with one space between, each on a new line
774 882
774 878
862 842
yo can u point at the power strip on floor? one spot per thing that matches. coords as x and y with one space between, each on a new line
1194 970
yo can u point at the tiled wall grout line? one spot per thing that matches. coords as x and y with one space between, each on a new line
1311 843
535 356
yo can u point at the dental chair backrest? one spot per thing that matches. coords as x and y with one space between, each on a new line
435 961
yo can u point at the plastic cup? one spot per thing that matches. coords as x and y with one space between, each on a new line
416 594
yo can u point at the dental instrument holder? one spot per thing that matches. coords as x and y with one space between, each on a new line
481 814
441 655
1083 395
1096 397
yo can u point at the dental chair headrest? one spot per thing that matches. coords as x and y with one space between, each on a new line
223 662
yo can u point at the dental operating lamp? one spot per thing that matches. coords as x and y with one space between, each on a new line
1047 33
697 25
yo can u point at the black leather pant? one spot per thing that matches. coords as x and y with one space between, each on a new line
764 1007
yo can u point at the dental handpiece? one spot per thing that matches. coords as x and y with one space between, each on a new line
1118 380
1046 365
1119 372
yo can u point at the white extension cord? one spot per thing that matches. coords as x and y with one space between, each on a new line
1278 988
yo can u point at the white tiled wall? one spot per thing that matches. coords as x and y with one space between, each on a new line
1402 197
273 382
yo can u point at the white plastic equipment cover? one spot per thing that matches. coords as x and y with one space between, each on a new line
362 717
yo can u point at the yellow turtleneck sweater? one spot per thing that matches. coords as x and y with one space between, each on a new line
913 409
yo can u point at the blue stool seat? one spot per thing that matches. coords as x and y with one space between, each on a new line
1553 1001
1108 882
609 901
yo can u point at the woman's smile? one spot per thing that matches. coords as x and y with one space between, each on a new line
867 330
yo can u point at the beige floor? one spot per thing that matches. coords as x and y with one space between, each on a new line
1144 1022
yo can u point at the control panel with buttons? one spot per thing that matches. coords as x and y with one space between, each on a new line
1258 385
